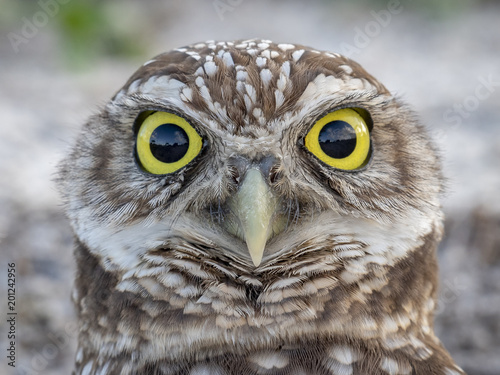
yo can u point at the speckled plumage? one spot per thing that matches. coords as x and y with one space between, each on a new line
348 287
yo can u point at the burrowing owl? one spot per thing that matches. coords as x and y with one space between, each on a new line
255 208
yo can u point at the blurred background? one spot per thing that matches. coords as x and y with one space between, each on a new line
61 59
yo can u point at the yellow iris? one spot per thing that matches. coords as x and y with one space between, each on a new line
166 143
340 139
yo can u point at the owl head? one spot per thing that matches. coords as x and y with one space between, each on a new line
251 152
251 194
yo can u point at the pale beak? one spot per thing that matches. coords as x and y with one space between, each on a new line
254 205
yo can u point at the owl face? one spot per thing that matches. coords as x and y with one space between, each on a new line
254 154
254 204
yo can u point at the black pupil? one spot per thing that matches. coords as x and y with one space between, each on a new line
169 143
337 139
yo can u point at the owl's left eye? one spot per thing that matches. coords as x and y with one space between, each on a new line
341 139
166 143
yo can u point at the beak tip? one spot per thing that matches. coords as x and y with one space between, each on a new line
256 253
256 262
256 256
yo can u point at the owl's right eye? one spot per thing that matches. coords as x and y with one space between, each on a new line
166 143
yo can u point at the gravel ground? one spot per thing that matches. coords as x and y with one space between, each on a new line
438 62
